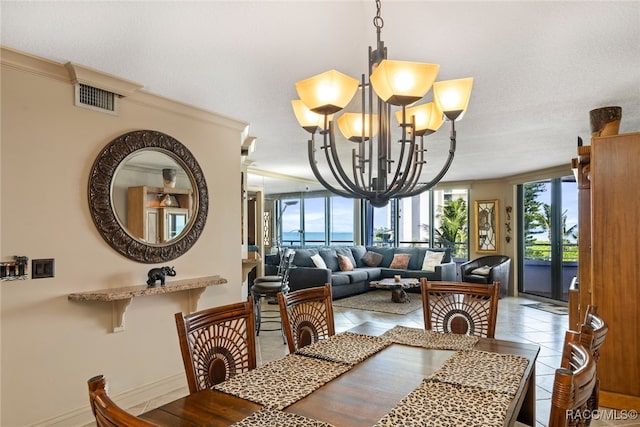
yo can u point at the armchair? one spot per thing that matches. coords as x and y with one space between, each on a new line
496 269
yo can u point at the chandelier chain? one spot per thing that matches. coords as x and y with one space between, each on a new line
378 22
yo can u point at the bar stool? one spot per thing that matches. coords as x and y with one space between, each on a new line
269 288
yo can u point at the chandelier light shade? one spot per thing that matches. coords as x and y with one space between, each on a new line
427 118
382 166
357 127
402 82
309 120
452 96
327 93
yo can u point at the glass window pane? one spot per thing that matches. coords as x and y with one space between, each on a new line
341 217
289 222
451 221
413 220
382 226
537 238
314 222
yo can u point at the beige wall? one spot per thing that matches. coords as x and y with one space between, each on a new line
51 346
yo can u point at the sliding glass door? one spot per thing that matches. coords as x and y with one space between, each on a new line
549 236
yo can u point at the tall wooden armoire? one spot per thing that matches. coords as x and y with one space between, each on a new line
608 174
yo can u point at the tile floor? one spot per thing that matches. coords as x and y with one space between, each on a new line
515 323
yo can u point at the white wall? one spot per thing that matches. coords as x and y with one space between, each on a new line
50 345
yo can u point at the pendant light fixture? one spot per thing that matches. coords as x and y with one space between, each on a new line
378 172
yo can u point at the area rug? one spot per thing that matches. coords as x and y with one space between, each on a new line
548 307
380 300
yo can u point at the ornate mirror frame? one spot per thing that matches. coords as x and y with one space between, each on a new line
101 207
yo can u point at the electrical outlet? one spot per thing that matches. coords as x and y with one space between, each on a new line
42 268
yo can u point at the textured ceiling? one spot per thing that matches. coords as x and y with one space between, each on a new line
539 67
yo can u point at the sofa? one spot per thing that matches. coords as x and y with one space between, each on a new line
369 264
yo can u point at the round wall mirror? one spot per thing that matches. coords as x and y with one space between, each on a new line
148 197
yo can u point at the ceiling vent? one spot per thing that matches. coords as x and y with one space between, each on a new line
96 99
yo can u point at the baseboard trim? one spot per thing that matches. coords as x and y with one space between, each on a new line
128 399
609 399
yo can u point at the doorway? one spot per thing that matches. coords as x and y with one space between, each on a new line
549 237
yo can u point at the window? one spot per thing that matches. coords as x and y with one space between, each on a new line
431 219
383 227
289 222
313 230
451 221
435 219
341 220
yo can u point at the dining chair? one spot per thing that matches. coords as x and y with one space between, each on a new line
107 413
460 308
592 335
270 289
573 383
307 316
217 343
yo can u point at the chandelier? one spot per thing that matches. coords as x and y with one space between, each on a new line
378 170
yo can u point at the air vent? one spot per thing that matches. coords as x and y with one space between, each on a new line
96 99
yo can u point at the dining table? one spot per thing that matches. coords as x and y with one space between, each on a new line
374 374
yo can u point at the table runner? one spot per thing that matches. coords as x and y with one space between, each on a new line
429 339
273 417
500 372
282 382
345 347
440 404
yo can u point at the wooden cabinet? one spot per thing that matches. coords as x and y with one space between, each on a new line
156 214
609 260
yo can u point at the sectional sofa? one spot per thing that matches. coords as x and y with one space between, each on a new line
351 269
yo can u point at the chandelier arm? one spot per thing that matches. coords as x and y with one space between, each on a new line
416 170
370 141
398 187
314 168
358 178
341 177
445 168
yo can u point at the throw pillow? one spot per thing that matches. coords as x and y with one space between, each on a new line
481 271
372 259
431 259
318 261
345 263
400 261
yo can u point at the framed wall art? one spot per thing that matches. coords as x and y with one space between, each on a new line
487 226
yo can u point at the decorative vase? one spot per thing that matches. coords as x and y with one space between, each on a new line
169 178
605 121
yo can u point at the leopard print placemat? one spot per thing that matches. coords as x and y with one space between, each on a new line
273 417
429 339
440 404
500 372
282 382
345 347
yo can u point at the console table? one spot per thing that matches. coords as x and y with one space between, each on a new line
120 298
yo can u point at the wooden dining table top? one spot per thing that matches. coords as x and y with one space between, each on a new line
360 396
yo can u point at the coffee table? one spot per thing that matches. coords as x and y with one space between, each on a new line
397 287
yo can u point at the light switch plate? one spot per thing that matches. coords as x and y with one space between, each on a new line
42 268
